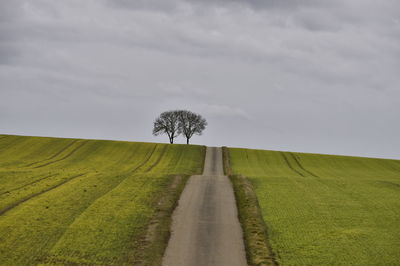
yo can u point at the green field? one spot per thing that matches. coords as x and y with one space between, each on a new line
322 209
74 201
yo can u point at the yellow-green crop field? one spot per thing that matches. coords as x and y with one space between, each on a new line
75 201
323 209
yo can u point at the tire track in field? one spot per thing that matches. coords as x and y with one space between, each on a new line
326 186
301 166
331 186
17 203
144 161
126 174
290 165
143 164
158 159
13 141
150 154
313 197
31 183
54 155
154 164
247 158
63 158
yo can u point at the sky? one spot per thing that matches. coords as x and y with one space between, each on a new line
295 75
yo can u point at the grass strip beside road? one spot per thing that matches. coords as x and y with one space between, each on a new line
258 251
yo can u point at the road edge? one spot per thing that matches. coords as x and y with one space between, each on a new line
258 249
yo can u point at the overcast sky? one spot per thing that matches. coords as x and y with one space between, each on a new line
306 75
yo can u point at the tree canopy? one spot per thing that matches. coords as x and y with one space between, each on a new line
174 123
167 123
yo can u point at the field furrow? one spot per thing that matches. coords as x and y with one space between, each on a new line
296 159
36 180
64 157
54 155
145 161
290 165
20 201
158 160
10 142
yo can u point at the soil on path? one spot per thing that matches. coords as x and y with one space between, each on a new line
205 228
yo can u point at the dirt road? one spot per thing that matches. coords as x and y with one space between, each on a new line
205 228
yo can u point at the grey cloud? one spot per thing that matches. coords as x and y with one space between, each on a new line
313 76
160 4
144 4
10 10
7 53
264 4
224 111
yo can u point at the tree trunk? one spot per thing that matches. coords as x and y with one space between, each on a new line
187 140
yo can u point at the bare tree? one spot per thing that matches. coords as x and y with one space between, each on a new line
191 123
167 123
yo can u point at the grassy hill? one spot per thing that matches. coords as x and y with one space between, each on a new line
75 201
318 209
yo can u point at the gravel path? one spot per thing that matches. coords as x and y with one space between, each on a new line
205 227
